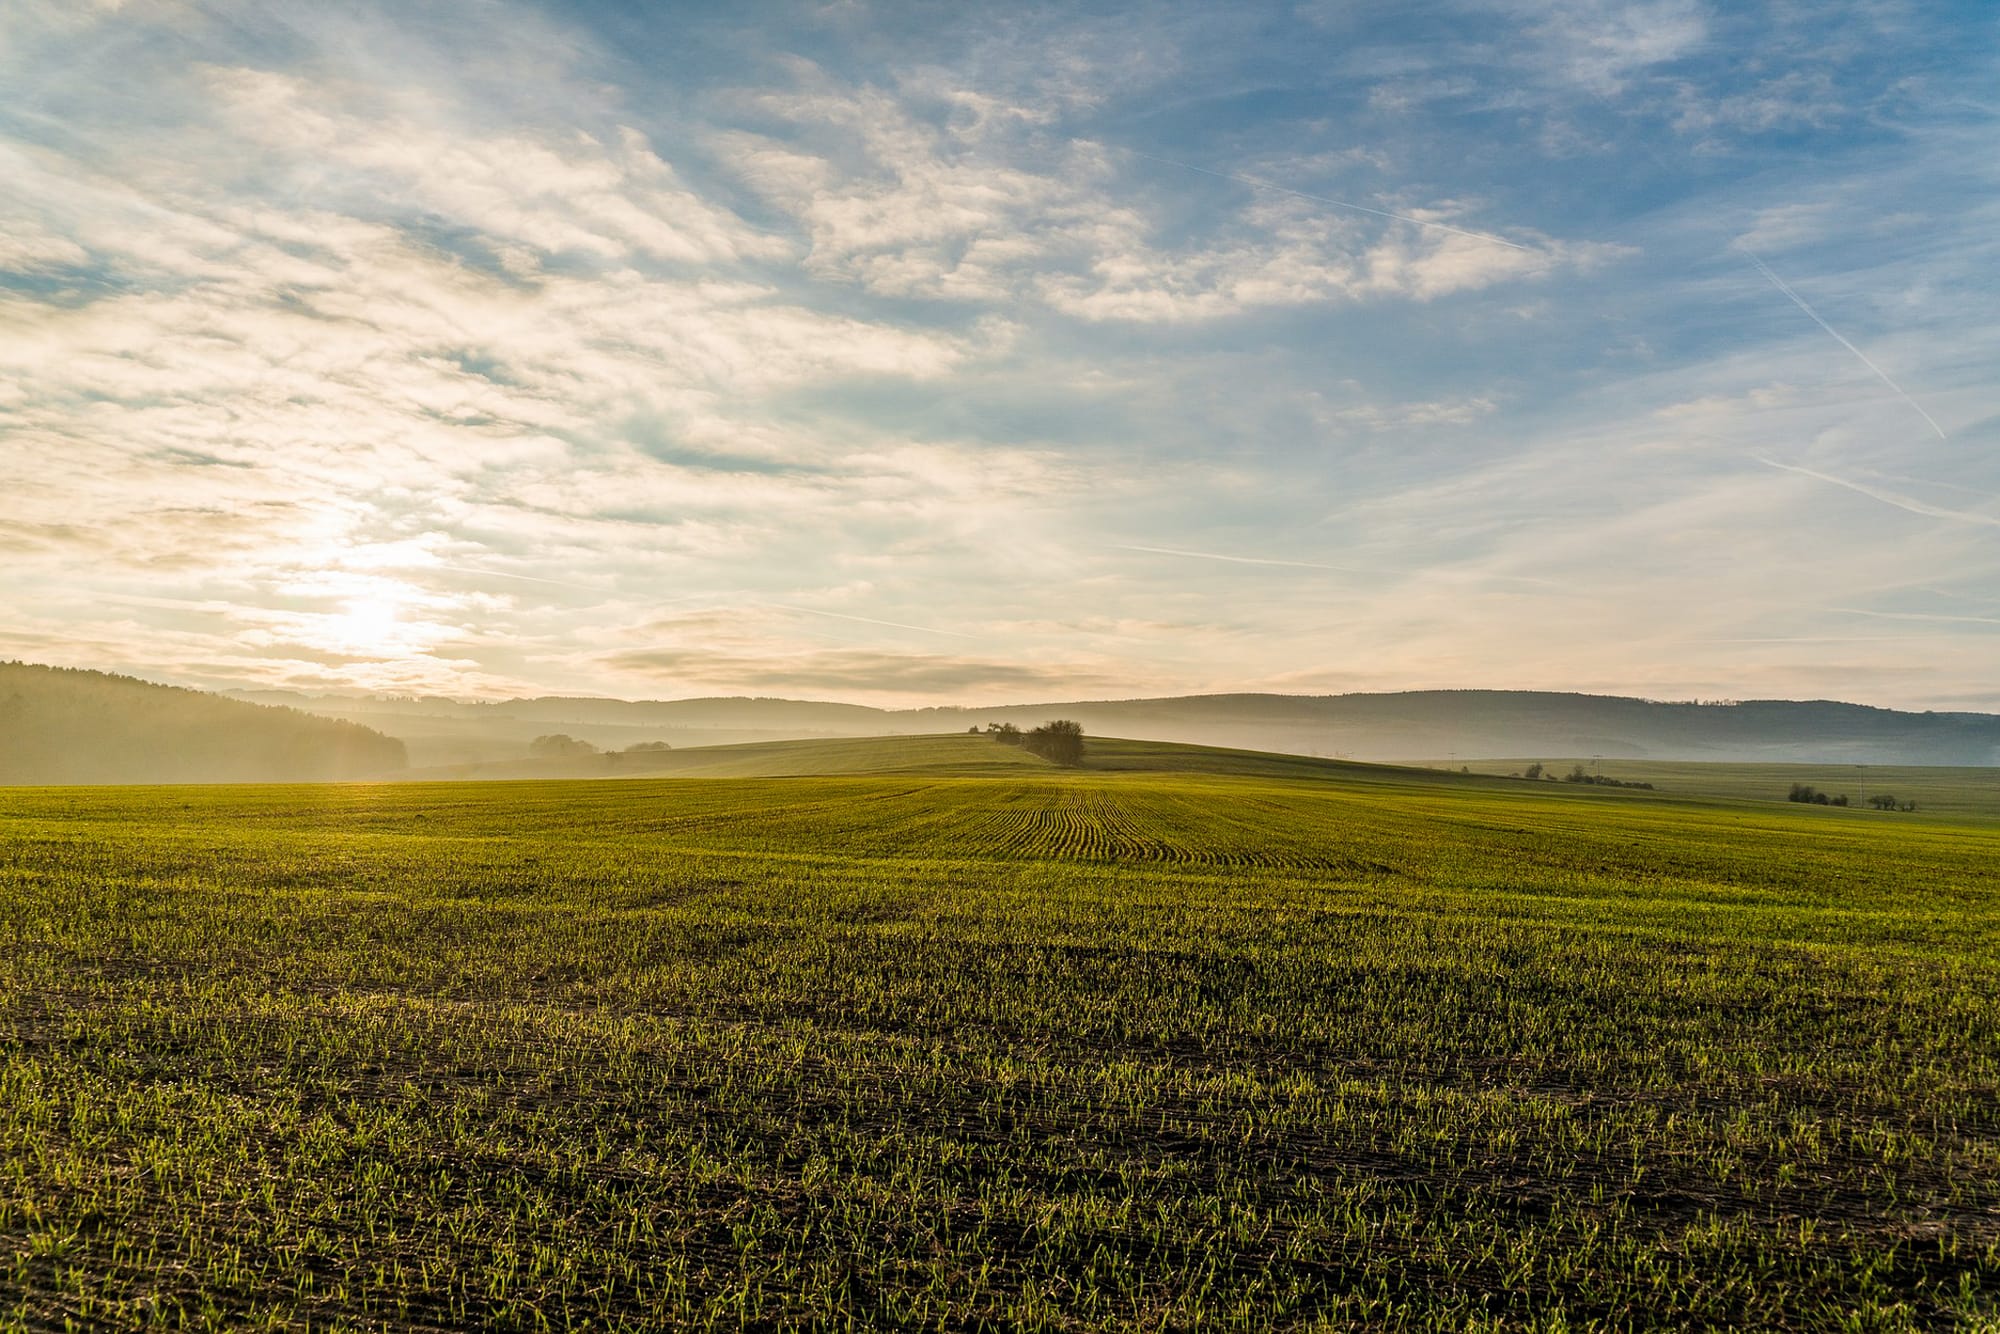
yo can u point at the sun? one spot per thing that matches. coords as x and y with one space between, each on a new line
369 626
371 616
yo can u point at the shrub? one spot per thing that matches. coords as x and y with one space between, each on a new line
559 746
1060 741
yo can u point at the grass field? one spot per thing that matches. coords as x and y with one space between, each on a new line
957 754
983 1043
1938 790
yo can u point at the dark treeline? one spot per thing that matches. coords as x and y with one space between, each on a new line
1812 796
1581 775
1059 741
59 725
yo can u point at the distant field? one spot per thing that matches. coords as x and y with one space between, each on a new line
1157 1045
959 754
1938 790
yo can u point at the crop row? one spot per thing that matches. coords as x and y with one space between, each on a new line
1044 1052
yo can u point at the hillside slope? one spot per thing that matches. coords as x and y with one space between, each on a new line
59 725
1438 724
937 756
1412 725
949 755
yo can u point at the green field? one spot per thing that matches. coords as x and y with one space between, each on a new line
1937 790
954 754
958 1040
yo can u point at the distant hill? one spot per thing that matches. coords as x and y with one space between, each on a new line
449 732
947 755
1440 724
1411 725
1940 791
64 726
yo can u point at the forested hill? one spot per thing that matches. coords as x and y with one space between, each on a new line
1421 725
59 725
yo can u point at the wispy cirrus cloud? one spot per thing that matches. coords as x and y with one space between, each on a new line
842 351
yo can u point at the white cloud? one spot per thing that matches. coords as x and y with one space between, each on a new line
905 208
26 247
554 193
247 353
1794 100
349 347
1605 41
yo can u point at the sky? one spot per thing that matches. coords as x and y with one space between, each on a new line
915 353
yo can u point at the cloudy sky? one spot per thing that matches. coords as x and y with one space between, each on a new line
909 353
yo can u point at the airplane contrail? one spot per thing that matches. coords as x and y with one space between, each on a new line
1897 499
1375 571
1812 639
1337 203
1880 374
1239 560
1919 616
869 620
526 578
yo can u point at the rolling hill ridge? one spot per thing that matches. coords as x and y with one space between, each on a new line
1429 725
61 725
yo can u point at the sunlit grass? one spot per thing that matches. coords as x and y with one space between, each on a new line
1030 1049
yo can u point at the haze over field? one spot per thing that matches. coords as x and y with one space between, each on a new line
1415 725
59 726
908 355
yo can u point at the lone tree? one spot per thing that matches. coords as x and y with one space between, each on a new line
1060 741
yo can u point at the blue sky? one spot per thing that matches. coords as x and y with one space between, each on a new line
906 354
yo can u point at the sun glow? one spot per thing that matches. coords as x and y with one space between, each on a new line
366 626
366 615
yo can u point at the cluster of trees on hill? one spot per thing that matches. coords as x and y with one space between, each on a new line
1060 741
559 746
563 746
1812 796
63 725
1581 775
